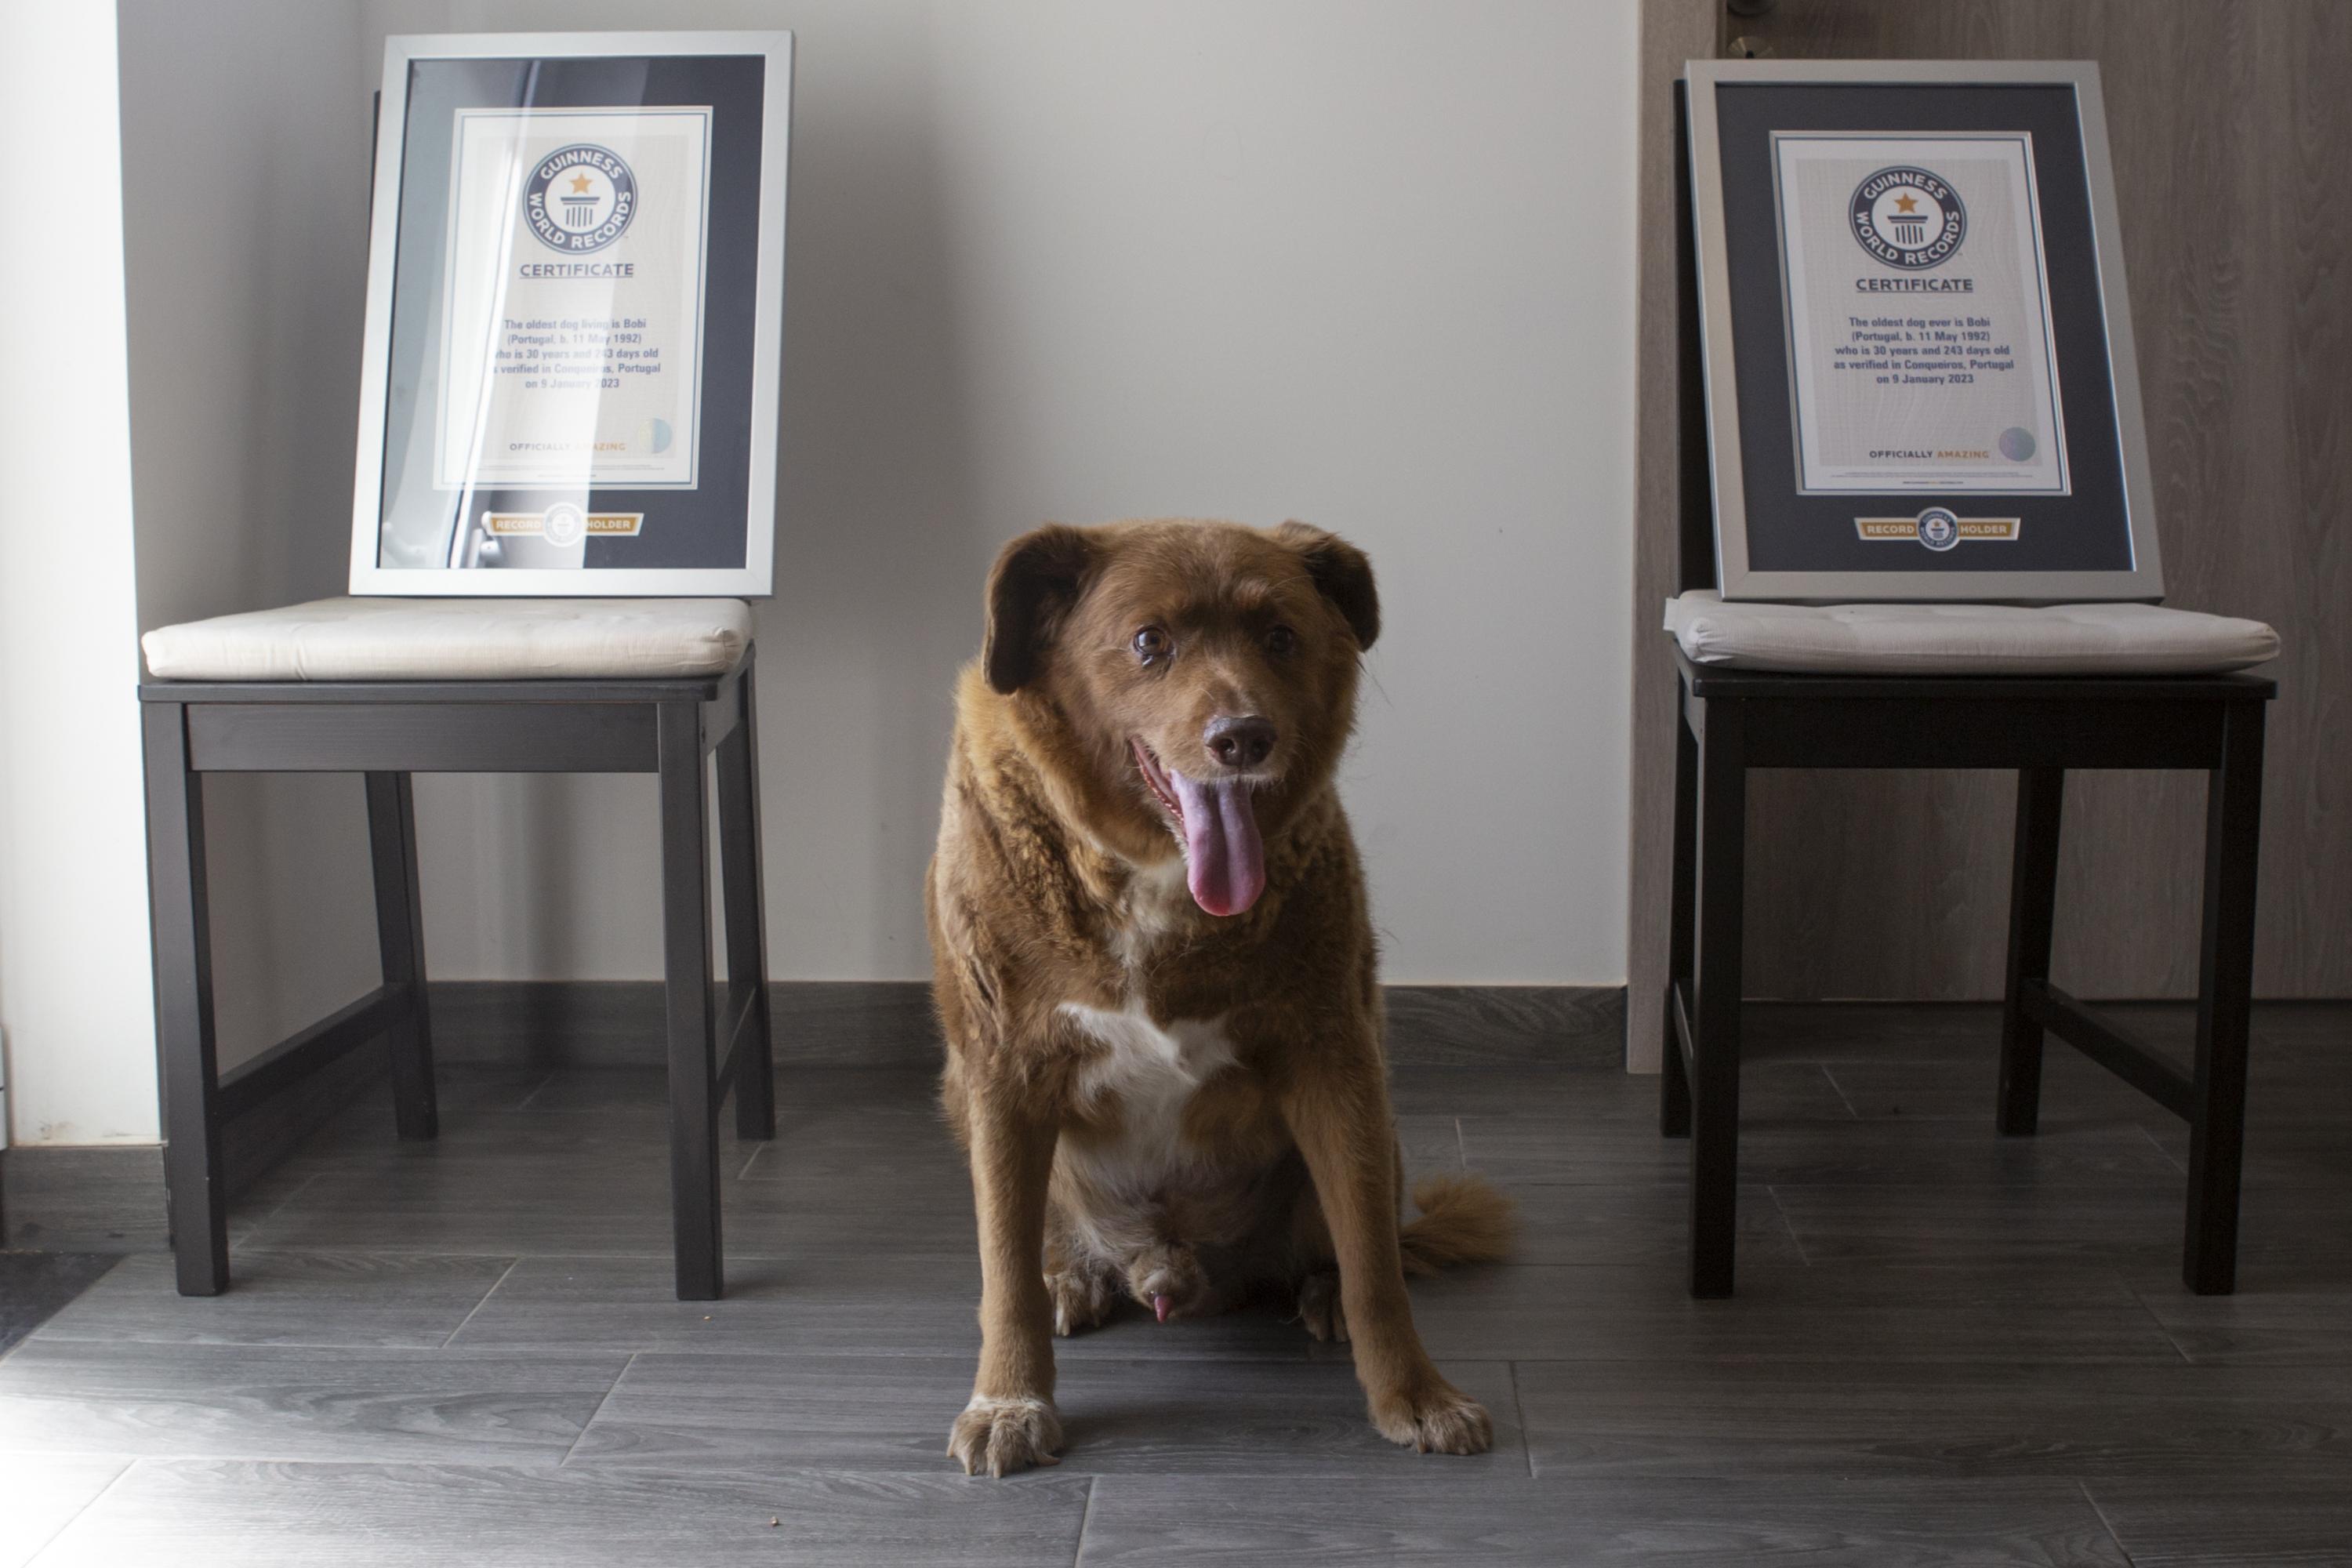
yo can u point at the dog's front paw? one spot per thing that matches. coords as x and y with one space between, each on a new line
1439 1418
998 1436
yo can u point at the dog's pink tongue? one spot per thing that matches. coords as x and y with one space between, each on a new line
1224 859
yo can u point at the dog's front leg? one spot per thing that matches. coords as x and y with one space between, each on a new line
1011 1423
1338 1112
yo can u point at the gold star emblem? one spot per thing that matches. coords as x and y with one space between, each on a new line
580 183
1902 203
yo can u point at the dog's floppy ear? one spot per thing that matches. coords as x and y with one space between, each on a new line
1032 586
1342 572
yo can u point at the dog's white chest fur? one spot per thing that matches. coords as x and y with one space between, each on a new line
1152 1069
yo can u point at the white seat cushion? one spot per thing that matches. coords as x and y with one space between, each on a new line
457 639
1964 639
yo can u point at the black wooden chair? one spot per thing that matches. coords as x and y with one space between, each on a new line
1728 721
664 724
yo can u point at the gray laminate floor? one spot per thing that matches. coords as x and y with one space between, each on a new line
34 1285
1947 1348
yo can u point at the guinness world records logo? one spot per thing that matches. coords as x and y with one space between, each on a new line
580 198
1907 217
563 524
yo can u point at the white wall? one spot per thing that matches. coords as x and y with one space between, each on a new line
75 996
1366 264
244 285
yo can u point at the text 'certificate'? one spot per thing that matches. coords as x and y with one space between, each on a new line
572 299
1918 314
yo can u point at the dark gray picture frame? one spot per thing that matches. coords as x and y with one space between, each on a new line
732 497
2108 527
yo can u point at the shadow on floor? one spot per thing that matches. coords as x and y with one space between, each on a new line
34 1285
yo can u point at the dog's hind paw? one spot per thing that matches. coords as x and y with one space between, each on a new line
1319 1308
1080 1300
1439 1420
998 1436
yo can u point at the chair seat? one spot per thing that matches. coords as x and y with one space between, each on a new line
457 639
1964 639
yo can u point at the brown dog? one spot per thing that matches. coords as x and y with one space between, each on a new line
1181 1098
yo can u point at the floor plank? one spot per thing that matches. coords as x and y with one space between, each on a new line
300 1401
1449 1520
2295 1154
1635 1225
603 1202
1768 1091
1148 1416
2136 1227
2251 1523
2279 1315
287 1298
250 1514
1790 1313
879 1303
1830 1031
1856 1154
1859 1418
35 1285
464 1093
457 1204
41 1493
2074 1090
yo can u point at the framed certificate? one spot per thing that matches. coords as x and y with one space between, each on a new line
1916 340
574 316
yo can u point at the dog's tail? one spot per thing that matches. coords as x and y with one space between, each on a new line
1462 1220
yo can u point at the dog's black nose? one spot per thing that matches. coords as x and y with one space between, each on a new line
1240 742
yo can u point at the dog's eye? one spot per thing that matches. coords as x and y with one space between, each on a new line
1281 640
1150 642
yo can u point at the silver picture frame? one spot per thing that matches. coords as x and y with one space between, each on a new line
755 577
1729 463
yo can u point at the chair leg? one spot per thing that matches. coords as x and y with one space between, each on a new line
2217 1124
400 938
2032 892
183 1003
686 969
1715 1020
747 917
1674 1082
